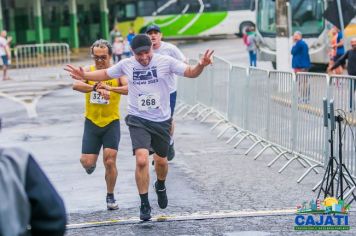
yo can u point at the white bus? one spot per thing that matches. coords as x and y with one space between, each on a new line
307 17
184 18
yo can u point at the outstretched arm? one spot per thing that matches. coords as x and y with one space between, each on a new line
79 74
82 85
195 71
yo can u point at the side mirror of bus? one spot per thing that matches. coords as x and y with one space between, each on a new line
252 5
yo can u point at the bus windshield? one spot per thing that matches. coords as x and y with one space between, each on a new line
307 17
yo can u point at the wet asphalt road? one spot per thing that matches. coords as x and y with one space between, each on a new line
206 175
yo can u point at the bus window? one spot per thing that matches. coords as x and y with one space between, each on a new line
266 17
307 17
146 7
218 5
239 5
125 11
130 10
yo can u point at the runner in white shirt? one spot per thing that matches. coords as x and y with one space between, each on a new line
163 48
149 114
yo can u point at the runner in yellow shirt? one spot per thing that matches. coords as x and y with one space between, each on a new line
102 118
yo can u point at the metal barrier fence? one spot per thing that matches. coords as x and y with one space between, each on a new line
40 55
342 90
237 87
279 110
221 74
311 134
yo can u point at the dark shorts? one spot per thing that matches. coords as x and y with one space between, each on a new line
153 136
336 57
5 60
95 137
173 99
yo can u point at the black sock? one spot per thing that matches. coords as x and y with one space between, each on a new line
110 195
160 184
144 199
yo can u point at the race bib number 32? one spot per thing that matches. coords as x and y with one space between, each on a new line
148 101
95 98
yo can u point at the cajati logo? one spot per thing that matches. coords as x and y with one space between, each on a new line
330 214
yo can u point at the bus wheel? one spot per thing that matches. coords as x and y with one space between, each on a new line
244 26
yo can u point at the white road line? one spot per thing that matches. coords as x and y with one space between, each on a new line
193 216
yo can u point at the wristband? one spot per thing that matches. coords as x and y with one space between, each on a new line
94 87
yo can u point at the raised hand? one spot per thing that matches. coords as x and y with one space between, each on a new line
207 58
75 72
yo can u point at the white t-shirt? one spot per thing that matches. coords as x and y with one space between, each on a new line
171 50
3 44
148 86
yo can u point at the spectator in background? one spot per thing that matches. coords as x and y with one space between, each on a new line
127 48
332 53
29 204
5 52
115 32
350 56
130 36
338 45
300 54
118 49
301 63
251 44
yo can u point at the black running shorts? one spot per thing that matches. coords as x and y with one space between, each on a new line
95 137
153 136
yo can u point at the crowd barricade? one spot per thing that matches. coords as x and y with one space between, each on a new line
342 91
187 89
236 105
278 110
42 55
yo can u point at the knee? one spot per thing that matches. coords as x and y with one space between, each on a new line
141 159
161 161
86 162
110 162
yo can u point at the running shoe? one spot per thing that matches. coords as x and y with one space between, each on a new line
111 203
90 170
145 212
161 196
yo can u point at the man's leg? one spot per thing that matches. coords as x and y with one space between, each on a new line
142 181
110 168
111 140
88 162
91 145
161 147
110 177
161 167
142 172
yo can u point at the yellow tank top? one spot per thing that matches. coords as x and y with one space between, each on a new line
102 114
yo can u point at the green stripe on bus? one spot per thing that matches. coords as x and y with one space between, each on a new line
205 22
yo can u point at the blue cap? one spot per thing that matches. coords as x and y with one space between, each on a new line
153 27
